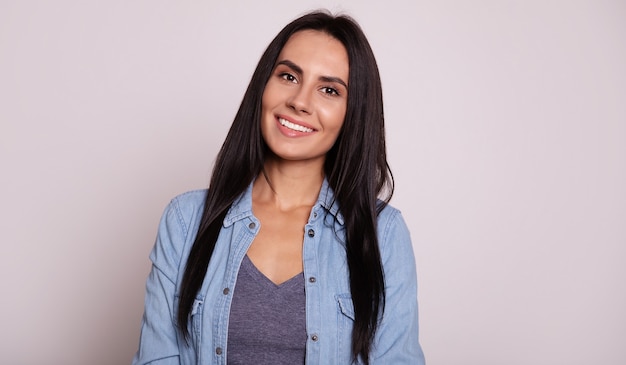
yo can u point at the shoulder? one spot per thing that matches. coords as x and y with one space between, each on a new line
190 200
177 229
390 220
393 236
184 209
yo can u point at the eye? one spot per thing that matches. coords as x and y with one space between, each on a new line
329 91
288 77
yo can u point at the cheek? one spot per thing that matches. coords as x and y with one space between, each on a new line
266 99
335 117
271 95
267 105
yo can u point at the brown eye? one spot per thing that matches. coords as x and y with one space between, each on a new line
289 77
330 91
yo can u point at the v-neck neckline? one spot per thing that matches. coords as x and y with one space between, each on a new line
251 269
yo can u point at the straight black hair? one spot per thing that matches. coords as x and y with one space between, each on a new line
356 169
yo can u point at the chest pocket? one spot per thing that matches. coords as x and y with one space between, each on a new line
196 321
345 323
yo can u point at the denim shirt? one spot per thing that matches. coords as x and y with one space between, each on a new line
329 309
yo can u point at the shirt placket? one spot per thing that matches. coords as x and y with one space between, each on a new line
312 288
250 227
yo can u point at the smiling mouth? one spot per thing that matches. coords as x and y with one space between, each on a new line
293 126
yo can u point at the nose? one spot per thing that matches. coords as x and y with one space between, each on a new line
300 100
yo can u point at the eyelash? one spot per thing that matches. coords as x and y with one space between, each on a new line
325 89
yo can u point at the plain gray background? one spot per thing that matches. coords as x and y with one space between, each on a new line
506 127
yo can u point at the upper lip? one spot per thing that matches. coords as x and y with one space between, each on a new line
294 121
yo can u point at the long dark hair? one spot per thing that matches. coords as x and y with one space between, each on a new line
356 169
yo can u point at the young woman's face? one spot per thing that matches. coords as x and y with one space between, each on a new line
304 102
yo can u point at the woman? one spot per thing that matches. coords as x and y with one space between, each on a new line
289 257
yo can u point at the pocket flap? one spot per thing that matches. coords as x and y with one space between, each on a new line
345 305
196 306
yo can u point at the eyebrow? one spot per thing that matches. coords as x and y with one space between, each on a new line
298 69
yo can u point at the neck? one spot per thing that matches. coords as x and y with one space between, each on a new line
288 185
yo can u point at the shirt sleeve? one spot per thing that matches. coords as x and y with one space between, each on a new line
397 338
158 343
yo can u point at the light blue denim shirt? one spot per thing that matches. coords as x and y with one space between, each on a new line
329 309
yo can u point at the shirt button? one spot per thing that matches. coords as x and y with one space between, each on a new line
252 225
314 338
311 233
312 279
314 214
218 350
226 291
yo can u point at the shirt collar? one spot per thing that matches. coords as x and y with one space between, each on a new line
326 199
242 206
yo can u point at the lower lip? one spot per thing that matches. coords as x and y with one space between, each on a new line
290 132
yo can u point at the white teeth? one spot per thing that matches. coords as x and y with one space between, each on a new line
295 127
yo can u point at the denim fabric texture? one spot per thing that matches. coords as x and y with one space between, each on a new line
329 309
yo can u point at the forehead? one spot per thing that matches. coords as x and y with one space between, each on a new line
316 48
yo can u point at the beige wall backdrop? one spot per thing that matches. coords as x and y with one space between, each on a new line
507 136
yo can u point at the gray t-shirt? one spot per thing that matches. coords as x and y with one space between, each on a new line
267 323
